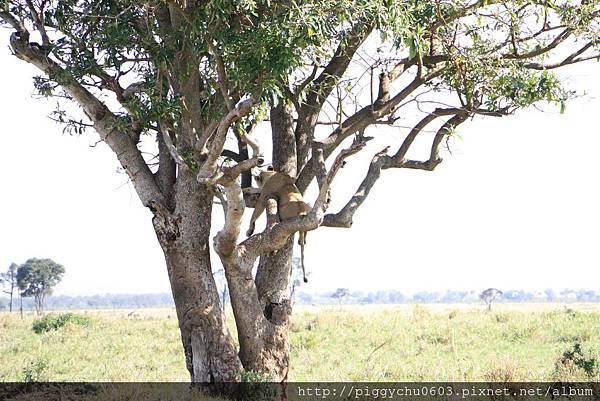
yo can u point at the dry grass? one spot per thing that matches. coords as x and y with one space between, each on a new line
515 342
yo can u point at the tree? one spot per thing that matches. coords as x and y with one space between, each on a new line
490 295
340 294
9 280
177 79
37 277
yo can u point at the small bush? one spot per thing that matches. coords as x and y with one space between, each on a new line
573 361
35 371
55 322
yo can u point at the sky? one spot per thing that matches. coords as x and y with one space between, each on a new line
514 206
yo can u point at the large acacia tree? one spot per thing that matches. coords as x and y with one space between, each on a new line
191 80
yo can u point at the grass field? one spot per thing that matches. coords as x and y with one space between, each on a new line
514 342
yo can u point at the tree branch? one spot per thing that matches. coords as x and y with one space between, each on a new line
275 237
221 73
39 24
344 217
359 121
104 120
381 160
320 89
398 160
209 172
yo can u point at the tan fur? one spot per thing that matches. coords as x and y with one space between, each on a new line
290 203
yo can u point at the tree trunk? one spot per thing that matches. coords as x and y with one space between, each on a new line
262 314
210 351
273 285
274 270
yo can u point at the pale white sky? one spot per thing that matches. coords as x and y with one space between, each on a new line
514 206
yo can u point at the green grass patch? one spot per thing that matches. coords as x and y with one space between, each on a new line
55 322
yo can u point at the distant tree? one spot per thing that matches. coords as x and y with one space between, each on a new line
453 296
550 295
490 295
426 297
340 294
396 297
9 281
37 277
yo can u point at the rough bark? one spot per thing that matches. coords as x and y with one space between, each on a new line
273 286
210 351
274 269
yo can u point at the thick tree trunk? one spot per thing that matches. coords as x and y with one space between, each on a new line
210 351
273 285
262 313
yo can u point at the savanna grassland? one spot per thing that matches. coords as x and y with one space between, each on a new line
514 342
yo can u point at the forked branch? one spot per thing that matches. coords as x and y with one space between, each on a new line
344 218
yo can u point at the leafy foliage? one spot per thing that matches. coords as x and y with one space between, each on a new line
36 371
576 358
487 48
55 322
37 277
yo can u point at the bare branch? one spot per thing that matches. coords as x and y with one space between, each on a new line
359 121
222 74
39 24
320 89
104 120
165 131
226 239
345 216
14 22
573 58
398 161
561 37
399 156
248 139
381 160
209 172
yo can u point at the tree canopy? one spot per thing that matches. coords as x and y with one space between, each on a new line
37 277
490 295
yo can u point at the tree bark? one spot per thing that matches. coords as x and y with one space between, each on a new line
273 286
210 351
274 269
